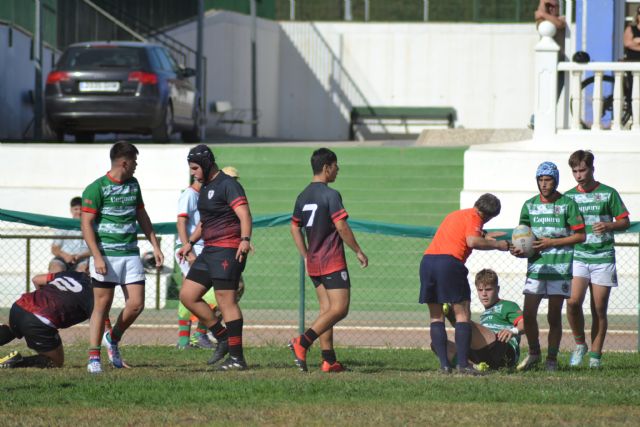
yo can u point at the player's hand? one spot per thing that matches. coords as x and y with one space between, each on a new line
504 335
541 244
493 234
100 265
600 227
362 259
516 252
244 248
184 251
159 256
190 258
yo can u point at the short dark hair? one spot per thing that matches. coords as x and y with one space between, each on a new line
580 156
486 276
123 149
322 157
76 201
488 205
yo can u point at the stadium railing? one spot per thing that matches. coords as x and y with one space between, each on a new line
279 300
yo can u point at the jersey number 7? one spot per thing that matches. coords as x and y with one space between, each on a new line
310 207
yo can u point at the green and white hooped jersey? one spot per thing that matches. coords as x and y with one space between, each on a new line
602 204
552 220
115 205
503 315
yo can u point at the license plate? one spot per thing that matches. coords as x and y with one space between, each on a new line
99 86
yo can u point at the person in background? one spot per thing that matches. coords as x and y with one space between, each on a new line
70 254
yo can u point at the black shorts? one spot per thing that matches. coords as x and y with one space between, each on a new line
217 267
497 355
443 278
38 335
336 280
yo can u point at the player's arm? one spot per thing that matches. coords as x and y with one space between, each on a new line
147 229
487 244
578 236
298 239
40 280
517 329
347 236
185 250
181 228
89 235
617 225
246 226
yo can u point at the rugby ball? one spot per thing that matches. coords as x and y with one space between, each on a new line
522 238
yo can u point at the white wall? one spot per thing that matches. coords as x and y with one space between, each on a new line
311 74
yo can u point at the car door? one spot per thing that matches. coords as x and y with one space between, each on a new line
183 93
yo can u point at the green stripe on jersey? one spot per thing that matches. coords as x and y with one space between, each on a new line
602 204
551 220
116 219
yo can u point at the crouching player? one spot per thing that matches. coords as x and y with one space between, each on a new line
496 340
61 300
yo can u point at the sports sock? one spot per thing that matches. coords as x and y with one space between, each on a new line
579 339
594 355
219 332
200 329
6 334
107 324
329 356
94 354
439 342
115 334
534 349
308 338
234 329
463 343
184 330
552 353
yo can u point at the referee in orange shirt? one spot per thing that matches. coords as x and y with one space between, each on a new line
443 275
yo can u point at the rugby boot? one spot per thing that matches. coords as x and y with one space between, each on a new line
299 353
219 353
529 362
335 367
577 355
112 350
201 341
10 360
233 364
94 367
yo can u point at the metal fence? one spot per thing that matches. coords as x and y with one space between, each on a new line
279 301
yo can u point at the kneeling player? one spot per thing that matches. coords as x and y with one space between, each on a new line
61 300
496 340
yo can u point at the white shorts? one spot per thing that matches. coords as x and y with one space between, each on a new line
121 270
184 265
547 288
598 274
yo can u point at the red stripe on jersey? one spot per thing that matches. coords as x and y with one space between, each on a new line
577 227
183 215
239 201
340 212
296 221
226 243
89 210
50 276
339 216
515 322
622 215
113 179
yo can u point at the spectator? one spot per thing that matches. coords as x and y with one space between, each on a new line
70 254
631 39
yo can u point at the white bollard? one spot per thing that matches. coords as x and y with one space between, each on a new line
546 81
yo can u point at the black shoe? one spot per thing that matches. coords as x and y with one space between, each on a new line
233 364
219 353
470 370
10 360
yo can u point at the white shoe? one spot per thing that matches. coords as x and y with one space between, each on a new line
529 362
112 351
577 355
595 363
94 367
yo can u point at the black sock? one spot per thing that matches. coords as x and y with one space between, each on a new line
463 343
219 332
37 361
439 343
234 329
308 338
329 356
6 334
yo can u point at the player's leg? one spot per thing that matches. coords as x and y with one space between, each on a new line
462 310
226 292
438 335
575 315
133 306
530 313
200 337
6 335
334 306
102 299
599 305
554 317
52 358
481 336
184 326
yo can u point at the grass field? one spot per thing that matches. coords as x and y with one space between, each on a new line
385 387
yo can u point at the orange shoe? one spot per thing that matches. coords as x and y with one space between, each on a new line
299 353
336 367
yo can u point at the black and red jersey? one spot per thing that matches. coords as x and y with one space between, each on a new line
317 209
66 299
216 204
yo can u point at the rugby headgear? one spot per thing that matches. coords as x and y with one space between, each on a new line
202 156
548 169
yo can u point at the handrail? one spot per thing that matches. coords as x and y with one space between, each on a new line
599 66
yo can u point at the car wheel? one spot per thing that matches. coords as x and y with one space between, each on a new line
163 132
193 134
84 137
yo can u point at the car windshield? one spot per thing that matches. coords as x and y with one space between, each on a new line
101 57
